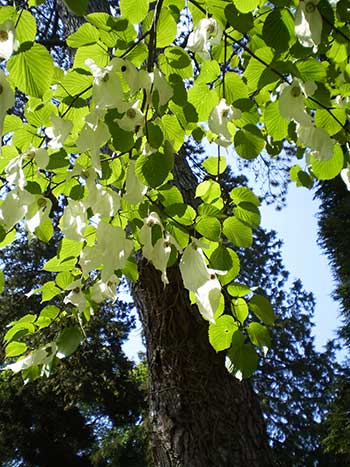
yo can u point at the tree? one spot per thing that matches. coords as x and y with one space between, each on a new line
106 140
64 419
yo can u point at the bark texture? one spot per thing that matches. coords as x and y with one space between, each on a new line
200 416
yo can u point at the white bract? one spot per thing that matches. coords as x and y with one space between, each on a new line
101 291
161 85
128 71
208 32
291 101
107 89
74 220
345 175
37 213
104 202
219 117
318 140
93 136
132 118
134 188
201 280
159 253
8 43
111 251
14 207
58 132
7 99
308 23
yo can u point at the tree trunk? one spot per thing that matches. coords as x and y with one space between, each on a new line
200 415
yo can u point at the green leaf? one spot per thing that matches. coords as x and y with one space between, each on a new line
203 99
326 170
134 10
221 259
173 131
50 311
242 22
312 70
154 169
31 70
300 177
241 360
14 349
262 308
220 334
244 194
166 28
154 135
325 119
235 88
68 342
248 213
215 165
245 6
249 142
276 125
209 191
26 27
45 231
234 270
175 60
19 330
259 336
77 6
85 35
238 233
63 279
278 29
181 213
98 51
240 309
238 290
209 227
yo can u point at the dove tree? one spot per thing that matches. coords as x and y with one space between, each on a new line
107 140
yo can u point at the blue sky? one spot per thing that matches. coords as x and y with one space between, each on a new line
296 225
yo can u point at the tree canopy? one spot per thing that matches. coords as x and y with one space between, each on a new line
100 139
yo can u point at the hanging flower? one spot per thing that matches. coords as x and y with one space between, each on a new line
111 251
291 101
93 136
7 99
8 43
105 290
74 220
345 175
128 71
318 140
161 85
308 23
134 188
58 132
159 253
107 89
208 32
201 280
218 120
132 118
37 213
